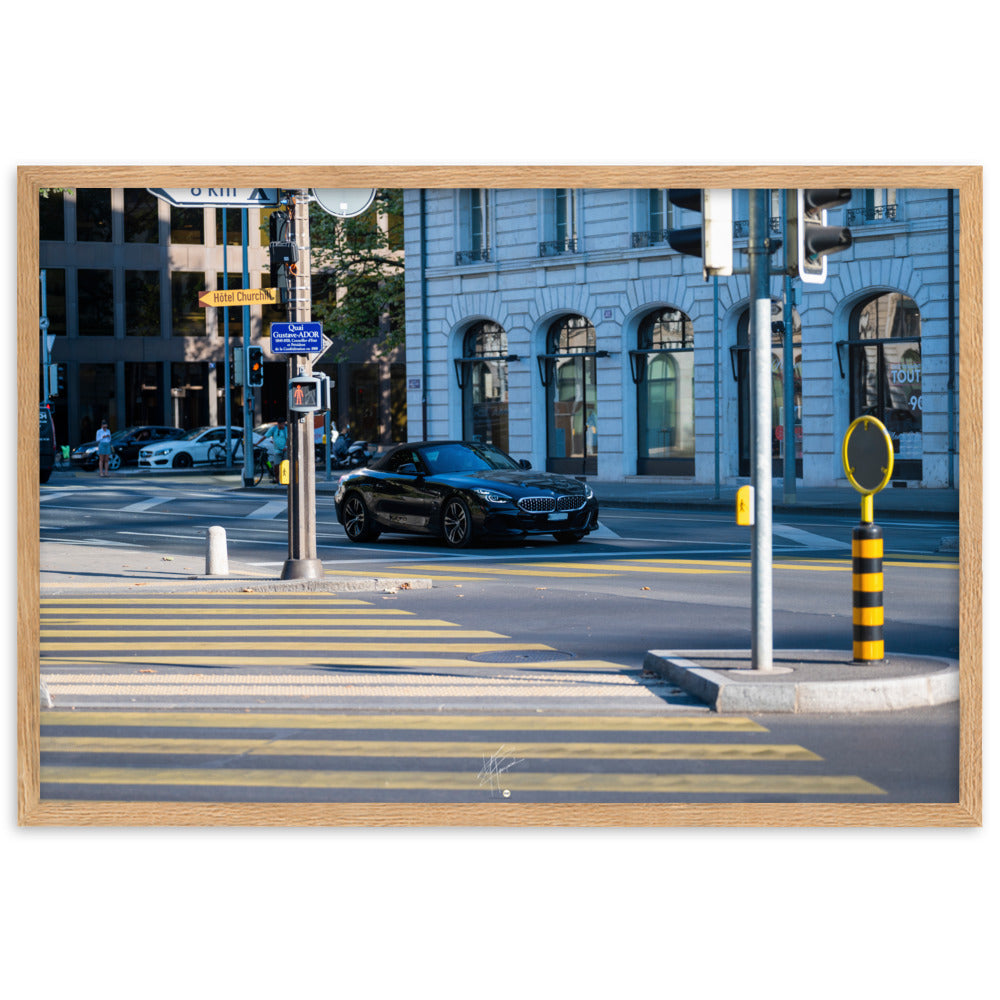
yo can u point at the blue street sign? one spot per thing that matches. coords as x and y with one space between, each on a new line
296 338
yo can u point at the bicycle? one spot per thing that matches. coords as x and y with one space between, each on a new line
261 462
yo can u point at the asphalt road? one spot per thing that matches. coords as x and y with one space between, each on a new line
484 672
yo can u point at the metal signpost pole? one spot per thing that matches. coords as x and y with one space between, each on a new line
225 349
247 397
788 350
302 562
761 611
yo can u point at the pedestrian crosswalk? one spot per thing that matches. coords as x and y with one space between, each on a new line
320 697
406 757
303 647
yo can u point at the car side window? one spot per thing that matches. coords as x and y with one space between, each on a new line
401 457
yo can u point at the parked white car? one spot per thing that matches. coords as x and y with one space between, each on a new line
202 446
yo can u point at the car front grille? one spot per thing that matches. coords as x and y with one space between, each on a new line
546 505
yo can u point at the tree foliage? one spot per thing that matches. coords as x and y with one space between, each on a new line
357 268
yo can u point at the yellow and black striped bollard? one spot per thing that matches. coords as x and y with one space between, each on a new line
869 612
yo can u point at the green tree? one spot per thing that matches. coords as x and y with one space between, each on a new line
358 280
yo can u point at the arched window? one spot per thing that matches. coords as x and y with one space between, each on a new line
569 371
886 374
663 371
482 375
741 372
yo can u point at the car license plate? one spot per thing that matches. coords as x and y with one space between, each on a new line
559 517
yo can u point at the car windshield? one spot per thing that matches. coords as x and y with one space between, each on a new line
441 458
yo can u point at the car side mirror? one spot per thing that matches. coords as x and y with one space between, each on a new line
524 463
408 469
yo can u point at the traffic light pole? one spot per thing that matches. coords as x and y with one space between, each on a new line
247 391
761 604
302 562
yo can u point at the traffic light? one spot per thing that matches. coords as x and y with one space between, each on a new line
810 239
712 241
283 253
255 365
57 379
304 393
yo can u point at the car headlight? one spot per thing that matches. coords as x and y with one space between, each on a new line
587 491
491 496
158 451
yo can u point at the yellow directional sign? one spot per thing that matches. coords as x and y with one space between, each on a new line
239 297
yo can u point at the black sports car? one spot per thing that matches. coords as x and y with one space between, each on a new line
461 490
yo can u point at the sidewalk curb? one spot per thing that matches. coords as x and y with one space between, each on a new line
919 681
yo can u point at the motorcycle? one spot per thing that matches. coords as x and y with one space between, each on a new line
348 453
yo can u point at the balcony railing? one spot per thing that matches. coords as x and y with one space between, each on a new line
741 227
649 238
553 248
873 213
472 256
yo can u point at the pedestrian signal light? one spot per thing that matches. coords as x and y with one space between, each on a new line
712 240
304 394
255 364
811 239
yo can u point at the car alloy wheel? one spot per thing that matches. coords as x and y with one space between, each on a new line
456 523
357 521
115 461
182 461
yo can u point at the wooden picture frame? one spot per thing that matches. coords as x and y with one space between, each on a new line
967 811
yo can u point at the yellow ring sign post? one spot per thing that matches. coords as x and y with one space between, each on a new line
868 460
868 463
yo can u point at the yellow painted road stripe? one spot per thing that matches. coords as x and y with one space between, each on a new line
512 570
87 626
514 780
264 645
343 720
425 748
237 615
243 598
559 665
314 632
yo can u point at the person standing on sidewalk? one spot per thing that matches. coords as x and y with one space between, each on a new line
103 448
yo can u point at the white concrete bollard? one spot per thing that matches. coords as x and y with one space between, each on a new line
216 557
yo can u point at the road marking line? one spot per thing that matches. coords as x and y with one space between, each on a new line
401 720
85 624
515 780
275 633
272 509
265 745
263 645
50 670
142 505
808 538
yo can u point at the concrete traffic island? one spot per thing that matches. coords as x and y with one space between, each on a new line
807 680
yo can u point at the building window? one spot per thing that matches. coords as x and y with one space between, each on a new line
142 303
235 312
234 227
654 217
663 370
482 373
886 375
51 216
187 314
474 234
95 294
742 373
97 401
55 299
143 395
93 215
187 225
142 217
570 376
560 222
